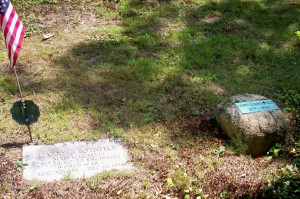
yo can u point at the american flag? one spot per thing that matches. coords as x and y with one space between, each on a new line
13 30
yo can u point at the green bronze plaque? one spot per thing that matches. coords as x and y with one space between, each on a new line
25 112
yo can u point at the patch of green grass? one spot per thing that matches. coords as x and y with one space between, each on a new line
178 179
231 147
33 186
48 1
95 181
6 187
46 53
31 3
29 20
114 131
20 165
7 85
105 9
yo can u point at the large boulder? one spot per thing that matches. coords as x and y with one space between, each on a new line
255 133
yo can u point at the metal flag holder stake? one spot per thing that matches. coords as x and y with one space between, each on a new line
24 112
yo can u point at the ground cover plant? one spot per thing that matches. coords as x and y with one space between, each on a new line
151 72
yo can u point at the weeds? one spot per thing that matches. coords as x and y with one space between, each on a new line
33 186
274 151
291 99
224 195
296 154
220 151
20 165
95 181
286 187
179 180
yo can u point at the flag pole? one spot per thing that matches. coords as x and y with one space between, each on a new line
17 78
23 102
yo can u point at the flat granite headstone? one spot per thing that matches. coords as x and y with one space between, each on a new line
73 159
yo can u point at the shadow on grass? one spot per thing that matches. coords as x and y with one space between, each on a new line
175 58
249 46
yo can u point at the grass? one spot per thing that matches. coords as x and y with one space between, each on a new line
151 73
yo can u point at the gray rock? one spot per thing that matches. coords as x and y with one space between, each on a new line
255 133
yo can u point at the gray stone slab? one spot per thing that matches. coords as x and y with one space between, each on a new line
73 159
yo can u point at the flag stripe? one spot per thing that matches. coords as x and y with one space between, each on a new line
11 28
17 43
8 32
13 40
7 24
